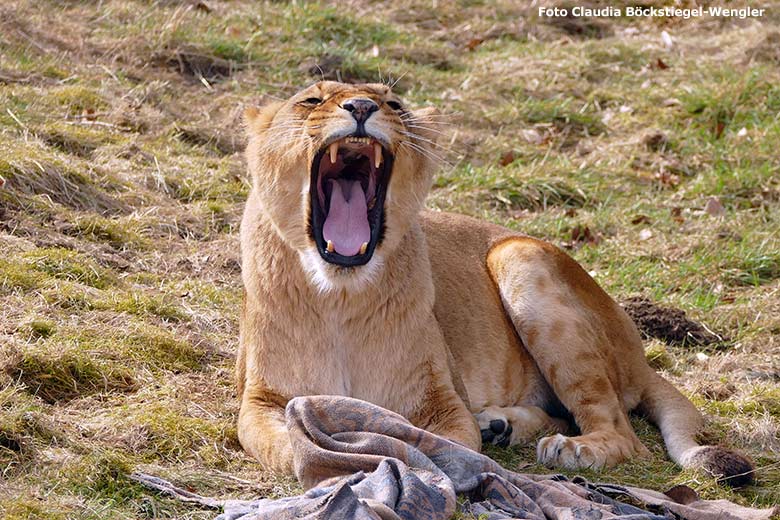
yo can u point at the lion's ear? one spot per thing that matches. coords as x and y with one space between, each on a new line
258 119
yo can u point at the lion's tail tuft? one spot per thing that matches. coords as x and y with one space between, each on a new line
728 465
680 423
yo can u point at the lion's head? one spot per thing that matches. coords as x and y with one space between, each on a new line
341 171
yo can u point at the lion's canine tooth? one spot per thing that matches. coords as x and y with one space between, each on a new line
377 154
363 248
334 152
371 204
330 246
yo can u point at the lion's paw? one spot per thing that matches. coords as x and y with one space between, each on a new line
495 428
570 453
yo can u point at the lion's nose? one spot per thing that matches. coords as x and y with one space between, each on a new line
361 108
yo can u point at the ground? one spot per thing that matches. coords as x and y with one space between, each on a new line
646 147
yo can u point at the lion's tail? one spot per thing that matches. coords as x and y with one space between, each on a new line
680 423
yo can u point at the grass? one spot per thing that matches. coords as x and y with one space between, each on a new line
120 140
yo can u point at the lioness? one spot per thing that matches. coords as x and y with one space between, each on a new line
469 330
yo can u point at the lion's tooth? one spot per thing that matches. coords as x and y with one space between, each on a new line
334 152
330 247
371 204
377 154
363 248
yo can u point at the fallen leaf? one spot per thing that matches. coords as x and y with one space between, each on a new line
667 179
200 5
507 158
474 43
583 235
677 215
640 219
661 65
233 31
655 140
714 207
719 127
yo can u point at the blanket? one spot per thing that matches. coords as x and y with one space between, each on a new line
360 461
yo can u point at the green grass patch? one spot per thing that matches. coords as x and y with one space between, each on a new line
756 268
509 189
41 328
143 345
162 350
119 233
73 139
173 435
140 304
27 508
69 296
70 265
18 276
76 99
570 119
57 372
103 475
31 171
658 356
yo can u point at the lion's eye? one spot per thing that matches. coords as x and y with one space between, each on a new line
312 101
395 105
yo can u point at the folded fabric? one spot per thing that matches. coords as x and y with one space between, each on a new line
360 461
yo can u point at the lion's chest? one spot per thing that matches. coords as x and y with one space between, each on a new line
335 358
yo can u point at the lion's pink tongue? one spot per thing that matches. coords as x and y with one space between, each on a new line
347 222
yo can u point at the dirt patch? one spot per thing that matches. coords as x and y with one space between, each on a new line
336 68
581 27
76 145
33 40
536 195
669 325
9 77
195 63
768 51
435 57
67 376
224 143
62 185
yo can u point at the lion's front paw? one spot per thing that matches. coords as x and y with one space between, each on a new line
495 428
570 453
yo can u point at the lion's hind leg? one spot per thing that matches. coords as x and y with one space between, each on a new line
507 426
583 344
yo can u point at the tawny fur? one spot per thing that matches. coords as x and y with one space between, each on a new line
452 318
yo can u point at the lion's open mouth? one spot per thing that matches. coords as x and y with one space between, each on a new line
349 179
